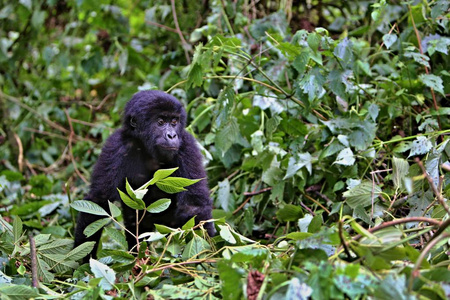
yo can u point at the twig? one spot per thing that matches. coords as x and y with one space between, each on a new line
342 238
257 192
433 186
72 158
34 271
186 45
400 221
162 26
317 202
20 156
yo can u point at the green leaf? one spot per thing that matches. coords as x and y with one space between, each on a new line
132 203
227 135
362 194
223 195
159 175
226 234
9 291
80 252
195 75
400 169
389 39
420 146
289 212
345 157
18 229
433 82
189 224
117 236
43 271
173 185
129 189
89 207
115 211
104 272
195 247
95 226
159 206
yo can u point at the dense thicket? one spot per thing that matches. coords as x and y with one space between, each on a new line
325 126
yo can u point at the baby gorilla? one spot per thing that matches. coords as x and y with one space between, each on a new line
152 137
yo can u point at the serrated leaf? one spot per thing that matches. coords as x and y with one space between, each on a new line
159 175
18 292
132 203
195 75
115 211
43 271
345 157
103 271
95 226
117 236
361 195
420 146
80 251
89 207
159 206
196 246
17 229
227 135
400 169
433 81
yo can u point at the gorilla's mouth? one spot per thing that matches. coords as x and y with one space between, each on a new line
169 148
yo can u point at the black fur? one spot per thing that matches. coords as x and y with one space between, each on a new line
149 140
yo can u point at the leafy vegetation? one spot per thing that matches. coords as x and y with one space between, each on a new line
325 125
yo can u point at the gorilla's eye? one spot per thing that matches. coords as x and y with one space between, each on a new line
174 122
133 122
160 122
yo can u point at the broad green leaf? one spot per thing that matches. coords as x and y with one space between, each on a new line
117 235
195 75
159 175
223 195
115 211
289 212
89 207
57 246
10 291
433 82
103 271
80 252
43 271
231 280
226 234
95 226
227 135
345 157
400 169
152 236
196 246
173 185
421 145
189 224
389 39
362 194
132 203
159 206
18 229
129 189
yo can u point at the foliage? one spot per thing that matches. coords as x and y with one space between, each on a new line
325 127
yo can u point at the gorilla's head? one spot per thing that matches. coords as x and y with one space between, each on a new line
157 120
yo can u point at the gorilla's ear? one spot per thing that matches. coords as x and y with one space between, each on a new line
133 122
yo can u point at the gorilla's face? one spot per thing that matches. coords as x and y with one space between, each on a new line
157 120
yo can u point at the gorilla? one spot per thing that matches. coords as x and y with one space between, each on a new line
152 137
